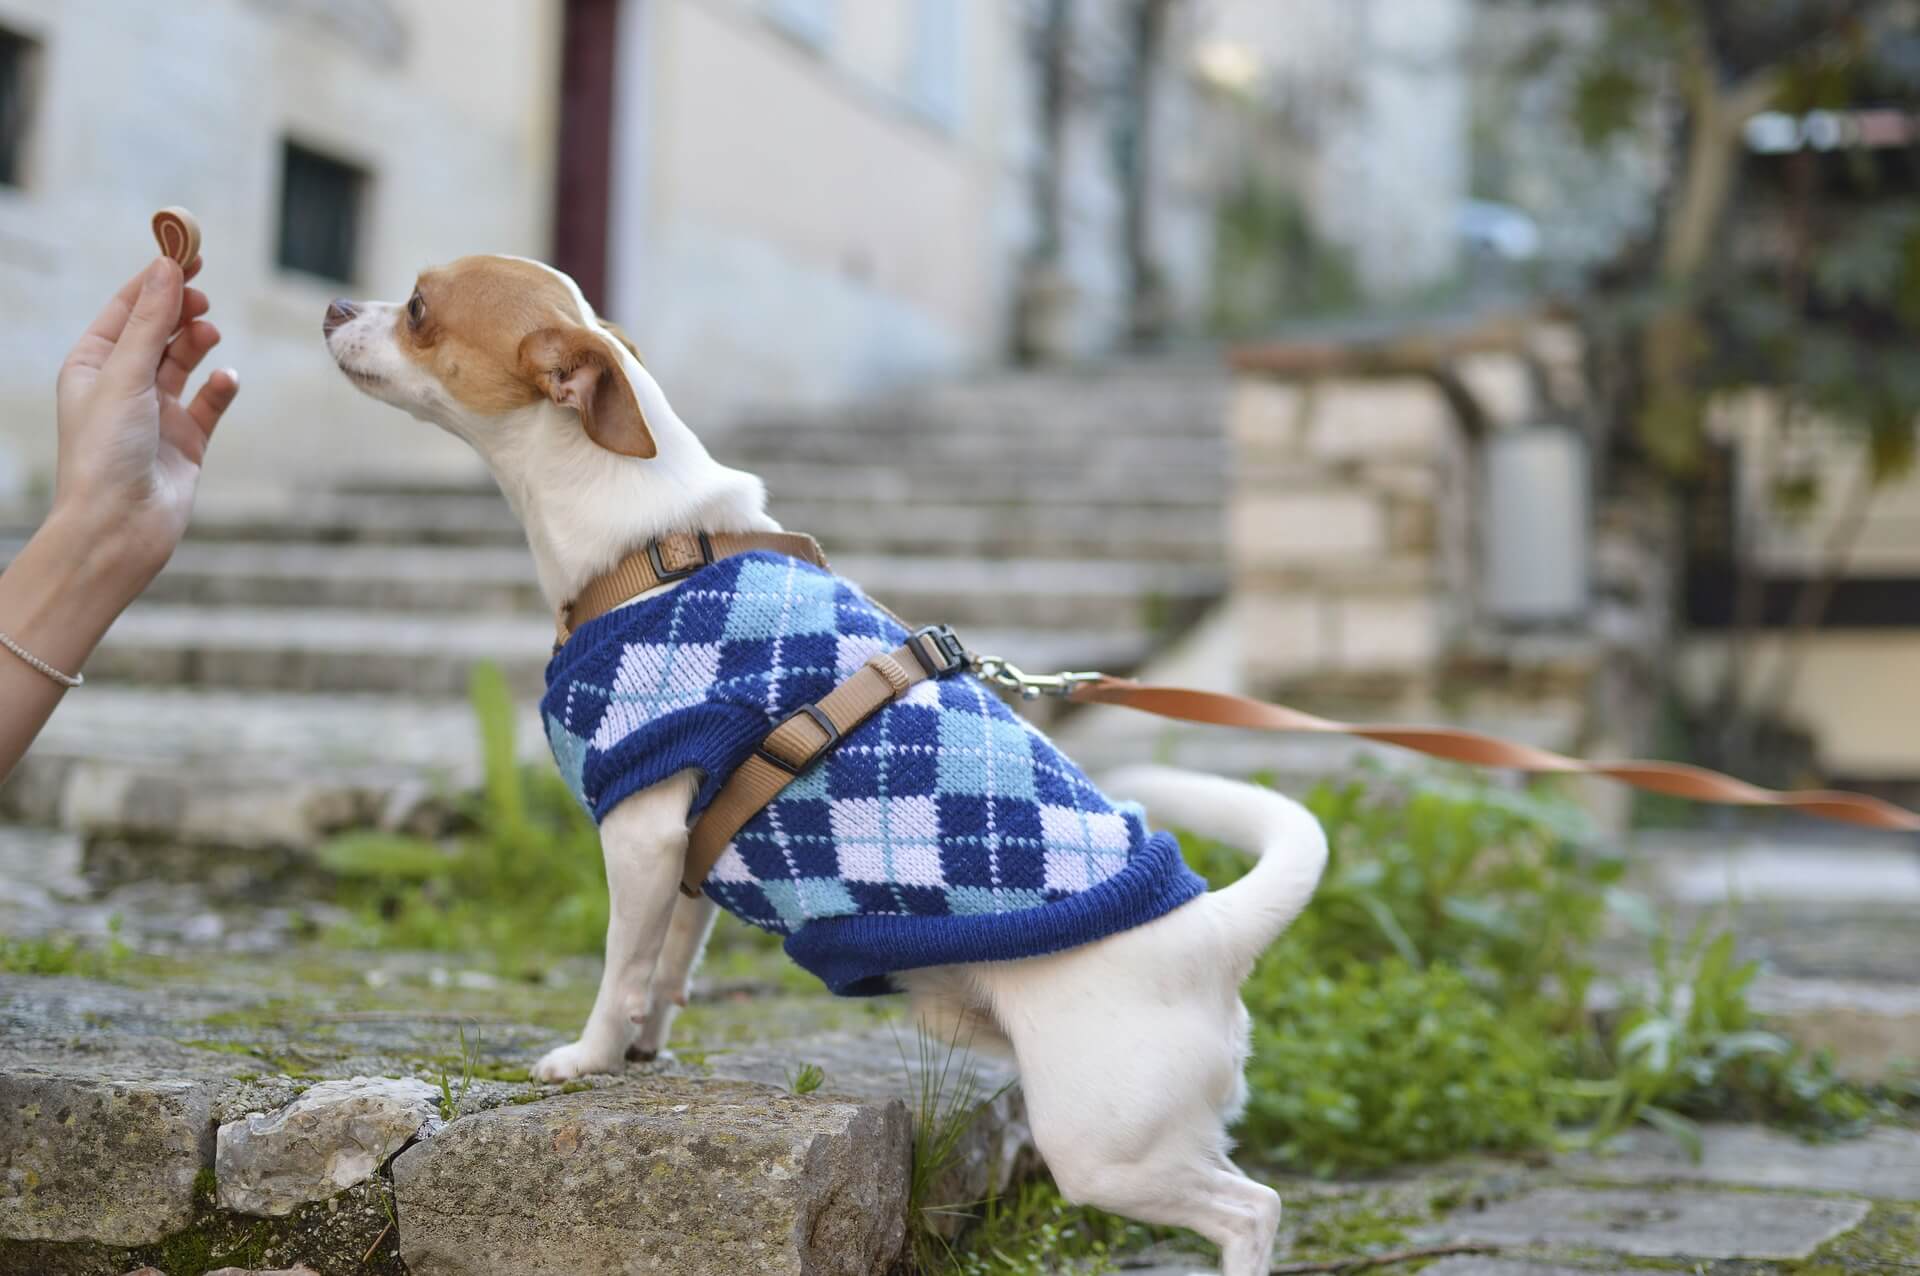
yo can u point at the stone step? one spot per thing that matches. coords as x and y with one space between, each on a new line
417 654
1057 451
1118 489
1035 593
171 782
320 649
469 514
1047 529
475 580
139 1118
397 577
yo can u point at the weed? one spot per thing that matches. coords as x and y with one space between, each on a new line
1036 1232
946 1100
452 1096
807 1078
1695 1048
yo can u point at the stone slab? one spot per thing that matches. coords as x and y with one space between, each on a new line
99 1158
1884 1164
667 1175
1674 1223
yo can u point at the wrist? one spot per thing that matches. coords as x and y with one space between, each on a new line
99 553
92 564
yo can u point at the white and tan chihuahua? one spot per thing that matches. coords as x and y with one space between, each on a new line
1130 1049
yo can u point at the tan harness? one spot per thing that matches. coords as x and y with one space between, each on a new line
812 731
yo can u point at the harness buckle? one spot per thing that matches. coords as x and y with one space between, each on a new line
821 720
939 650
667 576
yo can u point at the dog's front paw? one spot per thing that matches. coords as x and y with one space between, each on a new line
576 1060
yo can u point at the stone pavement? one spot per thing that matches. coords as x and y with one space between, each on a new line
330 1108
269 1112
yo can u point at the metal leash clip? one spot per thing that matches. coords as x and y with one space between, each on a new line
1031 686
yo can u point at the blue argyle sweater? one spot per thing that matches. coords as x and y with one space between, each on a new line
942 829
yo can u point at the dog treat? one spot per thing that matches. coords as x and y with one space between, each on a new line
178 233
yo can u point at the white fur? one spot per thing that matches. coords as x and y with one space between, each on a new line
1130 1049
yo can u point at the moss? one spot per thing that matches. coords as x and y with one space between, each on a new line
329 1236
205 1187
575 1087
1886 1240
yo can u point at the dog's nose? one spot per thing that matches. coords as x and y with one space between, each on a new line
339 312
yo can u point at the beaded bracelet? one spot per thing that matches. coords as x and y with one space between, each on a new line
68 681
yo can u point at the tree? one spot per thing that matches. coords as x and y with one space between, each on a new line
1797 274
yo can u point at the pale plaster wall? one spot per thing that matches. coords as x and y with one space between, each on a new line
187 103
795 225
1858 692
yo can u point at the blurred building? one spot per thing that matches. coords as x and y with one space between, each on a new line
788 202
328 146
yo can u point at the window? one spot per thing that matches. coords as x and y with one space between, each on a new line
19 64
320 207
809 21
933 73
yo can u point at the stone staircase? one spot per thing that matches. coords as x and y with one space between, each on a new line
302 665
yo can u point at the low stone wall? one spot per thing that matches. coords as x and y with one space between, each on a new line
1358 550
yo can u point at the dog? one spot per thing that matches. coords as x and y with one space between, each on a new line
1131 1047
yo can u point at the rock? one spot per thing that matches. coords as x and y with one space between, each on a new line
1659 1224
302 1270
100 1158
335 1135
664 1175
997 1148
1883 1163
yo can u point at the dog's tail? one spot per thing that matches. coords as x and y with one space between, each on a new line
1289 840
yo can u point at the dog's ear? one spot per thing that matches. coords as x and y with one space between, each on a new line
619 334
577 369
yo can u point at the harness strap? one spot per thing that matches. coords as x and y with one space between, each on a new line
1672 778
672 557
808 734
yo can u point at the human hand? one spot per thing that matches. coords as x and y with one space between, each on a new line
131 445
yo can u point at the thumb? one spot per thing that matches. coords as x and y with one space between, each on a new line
156 313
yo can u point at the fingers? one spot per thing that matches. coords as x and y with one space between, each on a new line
215 397
155 314
96 346
193 344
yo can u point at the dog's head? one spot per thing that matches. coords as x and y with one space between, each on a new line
485 345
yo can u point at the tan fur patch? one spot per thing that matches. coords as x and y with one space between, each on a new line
478 311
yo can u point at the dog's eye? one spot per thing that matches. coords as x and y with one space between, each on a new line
417 310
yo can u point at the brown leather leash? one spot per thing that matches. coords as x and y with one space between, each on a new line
1675 779
812 731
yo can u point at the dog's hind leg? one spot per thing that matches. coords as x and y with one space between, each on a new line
644 840
1130 1052
673 978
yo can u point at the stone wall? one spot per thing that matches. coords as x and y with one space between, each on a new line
1357 541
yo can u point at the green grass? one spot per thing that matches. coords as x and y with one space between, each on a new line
64 955
1432 999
